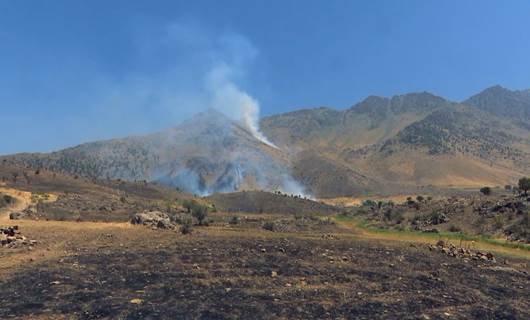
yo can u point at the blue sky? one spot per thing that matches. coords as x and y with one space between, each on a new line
77 71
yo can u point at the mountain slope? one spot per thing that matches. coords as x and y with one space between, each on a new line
380 145
208 153
385 144
503 102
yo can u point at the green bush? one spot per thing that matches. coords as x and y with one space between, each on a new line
186 227
524 184
436 217
393 215
6 200
485 191
200 213
234 220
499 221
369 203
268 226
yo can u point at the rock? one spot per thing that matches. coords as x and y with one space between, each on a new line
17 215
154 219
433 230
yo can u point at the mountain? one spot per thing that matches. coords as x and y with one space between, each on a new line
387 145
379 145
206 154
503 102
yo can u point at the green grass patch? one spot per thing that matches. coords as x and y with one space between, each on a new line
365 225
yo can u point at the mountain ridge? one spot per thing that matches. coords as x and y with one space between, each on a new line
380 144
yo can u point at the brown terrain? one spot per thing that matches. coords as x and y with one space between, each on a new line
257 261
372 212
379 146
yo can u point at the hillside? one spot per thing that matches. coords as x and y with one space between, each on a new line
503 102
383 145
265 202
208 153
378 146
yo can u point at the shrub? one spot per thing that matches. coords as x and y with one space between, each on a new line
437 217
420 198
499 221
186 228
485 191
200 213
268 226
369 203
8 199
454 228
234 220
188 204
508 187
393 215
434 217
524 184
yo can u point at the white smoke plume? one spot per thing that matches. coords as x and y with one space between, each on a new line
229 98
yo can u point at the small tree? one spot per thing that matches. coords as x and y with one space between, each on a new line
187 204
186 228
524 185
420 198
268 226
485 191
200 213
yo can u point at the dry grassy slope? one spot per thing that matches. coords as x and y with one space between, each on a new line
85 199
410 140
378 145
503 102
206 153
265 202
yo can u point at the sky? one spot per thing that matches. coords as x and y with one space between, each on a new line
78 71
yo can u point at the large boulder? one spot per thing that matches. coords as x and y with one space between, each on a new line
154 219
17 215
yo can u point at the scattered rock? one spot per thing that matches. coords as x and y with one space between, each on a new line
432 230
17 215
453 251
11 237
154 219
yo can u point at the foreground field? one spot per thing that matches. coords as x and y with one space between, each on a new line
107 271
305 267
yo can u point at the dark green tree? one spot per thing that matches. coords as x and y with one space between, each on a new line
485 191
524 185
200 213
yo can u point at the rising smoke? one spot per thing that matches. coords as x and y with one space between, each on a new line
228 98
210 71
